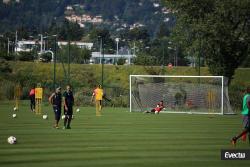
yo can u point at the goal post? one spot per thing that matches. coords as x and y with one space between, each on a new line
180 94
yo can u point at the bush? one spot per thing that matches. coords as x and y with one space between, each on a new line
25 93
4 67
45 57
121 61
26 56
83 97
7 90
236 93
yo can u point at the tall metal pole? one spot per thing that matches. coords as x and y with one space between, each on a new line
163 52
16 46
134 49
117 46
100 50
41 49
176 53
69 63
102 61
8 53
199 58
55 46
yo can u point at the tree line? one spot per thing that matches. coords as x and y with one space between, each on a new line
207 33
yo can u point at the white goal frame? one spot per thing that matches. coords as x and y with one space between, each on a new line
178 76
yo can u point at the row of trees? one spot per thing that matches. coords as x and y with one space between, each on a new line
217 31
214 33
41 14
137 41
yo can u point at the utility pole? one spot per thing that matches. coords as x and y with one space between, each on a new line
117 46
41 49
8 52
15 45
199 57
55 46
69 62
163 53
102 64
100 49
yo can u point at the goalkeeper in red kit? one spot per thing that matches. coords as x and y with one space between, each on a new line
159 107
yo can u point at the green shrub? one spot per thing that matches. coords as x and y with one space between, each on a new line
7 90
26 56
121 61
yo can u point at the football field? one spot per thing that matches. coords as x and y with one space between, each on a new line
118 138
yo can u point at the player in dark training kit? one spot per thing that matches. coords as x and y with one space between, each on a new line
56 100
68 102
32 99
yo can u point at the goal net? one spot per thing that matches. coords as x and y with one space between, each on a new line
180 94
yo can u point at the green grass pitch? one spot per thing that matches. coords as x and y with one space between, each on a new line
118 138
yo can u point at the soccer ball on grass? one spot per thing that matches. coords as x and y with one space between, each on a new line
45 116
12 140
14 115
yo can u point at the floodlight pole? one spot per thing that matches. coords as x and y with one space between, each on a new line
199 57
69 62
8 52
117 45
101 58
55 47
100 49
102 61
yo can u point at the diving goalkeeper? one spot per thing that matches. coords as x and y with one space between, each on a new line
159 107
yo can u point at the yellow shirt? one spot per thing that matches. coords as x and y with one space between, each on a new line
38 93
98 93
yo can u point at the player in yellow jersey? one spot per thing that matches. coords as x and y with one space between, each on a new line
98 95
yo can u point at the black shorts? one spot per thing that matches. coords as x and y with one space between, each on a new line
57 111
246 119
69 111
32 100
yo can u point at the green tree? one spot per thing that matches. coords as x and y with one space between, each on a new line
45 57
145 59
70 31
77 55
121 61
97 35
163 31
4 67
139 34
26 56
217 30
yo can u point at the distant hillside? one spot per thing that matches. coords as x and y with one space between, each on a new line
38 15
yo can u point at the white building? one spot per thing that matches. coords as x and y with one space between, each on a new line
77 43
25 46
28 45
8 1
96 58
